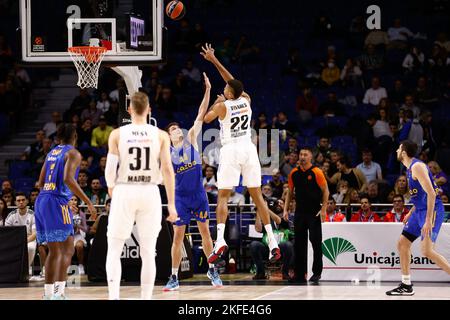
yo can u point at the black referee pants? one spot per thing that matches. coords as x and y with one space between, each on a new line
303 223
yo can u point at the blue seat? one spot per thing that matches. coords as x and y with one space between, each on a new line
24 184
19 169
266 179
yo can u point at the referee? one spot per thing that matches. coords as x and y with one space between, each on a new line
310 187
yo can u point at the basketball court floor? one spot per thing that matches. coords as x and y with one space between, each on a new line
237 287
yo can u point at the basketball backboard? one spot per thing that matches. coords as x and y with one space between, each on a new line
131 30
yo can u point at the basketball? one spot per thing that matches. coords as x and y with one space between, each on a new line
175 10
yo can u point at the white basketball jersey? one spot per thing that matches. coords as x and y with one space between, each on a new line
139 149
236 124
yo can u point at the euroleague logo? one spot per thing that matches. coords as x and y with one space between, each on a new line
38 41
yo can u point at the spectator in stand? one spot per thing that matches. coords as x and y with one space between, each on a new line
426 121
331 106
401 187
375 93
423 94
261 122
398 212
191 72
292 146
91 113
23 216
179 84
282 123
76 121
365 214
414 62
342 195
351 74
412 130
294 63
79 103
3 212
307 105
373 192
398 93
371 60
439 177
225 52
289 164
236 198
33 149
409 105
93 229
83 178
32 198
246 52
100 171
103 104
331 73
439 64
96 193
332 214
210 184
85 134
399 35
7 196
370 169
40 157
323 146
323 27
277 184
166 102
112 115
6 186
120 85
50 127
353 176
441 40
378 38
80 229
101 134
335 155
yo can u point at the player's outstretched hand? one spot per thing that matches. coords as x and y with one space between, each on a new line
92 209
173 215
207 83
208 52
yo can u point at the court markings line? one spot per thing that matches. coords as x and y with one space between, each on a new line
269 293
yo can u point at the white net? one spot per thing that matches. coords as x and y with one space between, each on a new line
87 60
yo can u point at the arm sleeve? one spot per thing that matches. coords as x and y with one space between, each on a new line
112 162
320 177
290 181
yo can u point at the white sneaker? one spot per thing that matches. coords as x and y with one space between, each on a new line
81 270
219 248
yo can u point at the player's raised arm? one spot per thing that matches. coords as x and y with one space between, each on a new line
208 54
168 175
72 163
218 109
197 128
112 160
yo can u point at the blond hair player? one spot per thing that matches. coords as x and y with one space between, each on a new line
132 174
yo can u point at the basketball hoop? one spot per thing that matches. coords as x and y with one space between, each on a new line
87 60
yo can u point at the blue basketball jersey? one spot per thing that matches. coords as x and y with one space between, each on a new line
54 173
418 194
187 165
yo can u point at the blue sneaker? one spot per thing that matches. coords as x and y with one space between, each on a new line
213 275
172 284
58 298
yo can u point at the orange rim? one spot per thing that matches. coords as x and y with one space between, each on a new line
91 54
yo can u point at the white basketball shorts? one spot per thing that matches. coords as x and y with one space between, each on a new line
238 158
135 203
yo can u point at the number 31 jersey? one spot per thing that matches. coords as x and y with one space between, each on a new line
236 124
139 149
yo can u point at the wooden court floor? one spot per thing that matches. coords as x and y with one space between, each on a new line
237 287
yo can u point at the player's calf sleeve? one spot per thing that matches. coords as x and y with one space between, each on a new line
114 267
